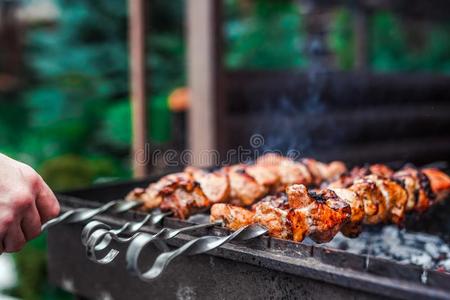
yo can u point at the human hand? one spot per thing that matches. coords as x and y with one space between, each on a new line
26 202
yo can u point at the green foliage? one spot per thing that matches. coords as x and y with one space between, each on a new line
341 38
271 37
397 47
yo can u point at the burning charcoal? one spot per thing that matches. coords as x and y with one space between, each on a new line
432 250
445 264
423 260
426 238
445 249
391 234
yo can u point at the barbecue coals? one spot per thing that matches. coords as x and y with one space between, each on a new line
427 251
298 199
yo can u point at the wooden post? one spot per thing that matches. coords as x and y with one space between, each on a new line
137 32
205 80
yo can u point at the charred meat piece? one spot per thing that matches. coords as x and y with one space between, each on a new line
375 209
318 215
245 190
324 172
153 194
395 198
346 179
354 226
417 185
439 182
215 185
293 172
263 176
271 212
184 203
233 217
307 171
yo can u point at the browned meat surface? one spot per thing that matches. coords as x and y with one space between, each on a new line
245 190
215 185
307 171
346 179
439 182
153 194
233 217
353 227
271 212
318 215
373 201
184 203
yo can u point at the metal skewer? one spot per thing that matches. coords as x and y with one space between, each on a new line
128 228
84 214
98 237
196 246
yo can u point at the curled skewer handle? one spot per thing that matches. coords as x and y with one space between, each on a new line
97 238
84 214
196 246
128 228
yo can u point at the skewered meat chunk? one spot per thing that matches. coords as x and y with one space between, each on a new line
354 226
262 175
395 197
293 172
245 190
417 185
184 203
271 212
439 182
346 179
321 218
373 201
214 185
307 171
323 172
152 196
233 217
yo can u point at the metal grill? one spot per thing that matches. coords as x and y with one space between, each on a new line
257 268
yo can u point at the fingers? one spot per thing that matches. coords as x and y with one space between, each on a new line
14 239
31 222
6 220
46 202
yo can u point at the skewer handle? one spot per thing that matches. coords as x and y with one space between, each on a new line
196 246
84 214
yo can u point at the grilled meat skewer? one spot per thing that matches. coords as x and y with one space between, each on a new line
320 215
193 190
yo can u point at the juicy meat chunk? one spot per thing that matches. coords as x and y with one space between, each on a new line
233 217
317 215
215 185
245 190
418 198
439 181
150 196
271 161
184 203
395 198
293 172
346 179
324 172
153 194
271 212
353 227
263 176
374 203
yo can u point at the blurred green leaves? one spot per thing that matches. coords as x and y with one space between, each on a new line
271 37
